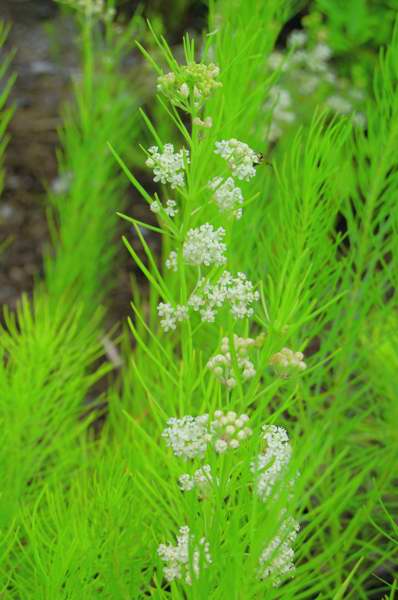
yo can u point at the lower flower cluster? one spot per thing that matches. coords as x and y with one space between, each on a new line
184 559
191 438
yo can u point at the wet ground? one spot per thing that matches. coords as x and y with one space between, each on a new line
45 62
41 87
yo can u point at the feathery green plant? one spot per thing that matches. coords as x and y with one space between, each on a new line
229 465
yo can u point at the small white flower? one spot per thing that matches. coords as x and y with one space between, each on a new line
168 166
171 261
339 104
237 291
185 559
270 466
359 119
318 57
201 480
276 560
170 208
189 436
204 246
297 39
221 446
170 315
156 207
227 195
239 156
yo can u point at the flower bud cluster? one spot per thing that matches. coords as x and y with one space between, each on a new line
168 166
227 196
207 123
204 246
201 480
276 560
191 84
287 362
186 558
222 364
229 430
240 157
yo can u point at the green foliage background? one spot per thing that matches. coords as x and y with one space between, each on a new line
89 488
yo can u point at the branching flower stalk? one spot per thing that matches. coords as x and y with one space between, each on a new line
200 245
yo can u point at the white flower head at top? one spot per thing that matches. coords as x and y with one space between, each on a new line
186 558
188 436
193 82
276 560
270 466
240 157
227 196
168 166
204 246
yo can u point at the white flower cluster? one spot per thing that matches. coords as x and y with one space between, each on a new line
227 196
171 315
201 480
191 84
169 209
270 465
276 560
286 362
280 103
189 437
240 157
306 70
92 8
229 430
209 298
186 558
168 166
204 246
222 364
237 291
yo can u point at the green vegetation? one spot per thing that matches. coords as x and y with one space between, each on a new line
247 447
